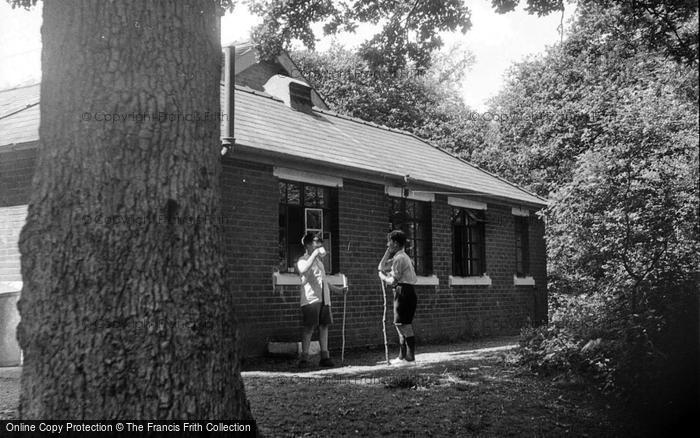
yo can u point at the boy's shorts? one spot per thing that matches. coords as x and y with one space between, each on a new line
316 314
405 302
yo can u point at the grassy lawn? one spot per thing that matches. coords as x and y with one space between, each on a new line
454 390
468 389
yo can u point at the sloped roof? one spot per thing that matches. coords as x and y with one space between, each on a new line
19 115
266 124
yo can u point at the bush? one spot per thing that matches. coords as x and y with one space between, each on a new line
649 358
581 340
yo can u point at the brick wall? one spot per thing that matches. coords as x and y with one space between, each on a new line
250 207
250 199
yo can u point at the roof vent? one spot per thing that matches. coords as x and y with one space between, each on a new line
293 92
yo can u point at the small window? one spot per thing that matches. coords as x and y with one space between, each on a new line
468 243
522 247
413 218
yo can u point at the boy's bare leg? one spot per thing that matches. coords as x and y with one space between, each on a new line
305 344
323 337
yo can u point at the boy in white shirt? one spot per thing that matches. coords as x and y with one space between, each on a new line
315 298
396 270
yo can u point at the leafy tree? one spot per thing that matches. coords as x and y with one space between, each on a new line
608 130
409 28
409 31
669 26
426 103
553 107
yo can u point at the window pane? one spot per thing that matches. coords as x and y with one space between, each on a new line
310 198
423 211
283 217
314 219
295 231
477 232
293 193
283 192
327 220
410 209
323 197
420 248
396 216
475 269
295 251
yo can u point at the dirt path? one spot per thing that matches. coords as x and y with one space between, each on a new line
469 389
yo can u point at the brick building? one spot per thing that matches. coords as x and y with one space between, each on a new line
475 239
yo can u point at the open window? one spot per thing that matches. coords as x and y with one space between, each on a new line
306 207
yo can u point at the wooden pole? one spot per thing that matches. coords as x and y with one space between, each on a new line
345 300
386 346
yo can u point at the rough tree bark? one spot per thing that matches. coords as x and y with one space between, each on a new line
124 309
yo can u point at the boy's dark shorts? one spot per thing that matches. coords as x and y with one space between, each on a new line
316 314
405 302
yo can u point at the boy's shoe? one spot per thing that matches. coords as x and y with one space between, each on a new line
399 361
304 361
326 362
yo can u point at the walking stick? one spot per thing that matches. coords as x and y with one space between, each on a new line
345 300
386 346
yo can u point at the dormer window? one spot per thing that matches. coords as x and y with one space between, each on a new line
293 92
300 97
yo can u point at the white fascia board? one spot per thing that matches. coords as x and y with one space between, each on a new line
397 192
307 177
520 211
466 203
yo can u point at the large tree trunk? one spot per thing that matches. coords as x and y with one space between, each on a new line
124 310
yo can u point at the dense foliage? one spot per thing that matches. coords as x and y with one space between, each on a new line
667 26
408 29
607 129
